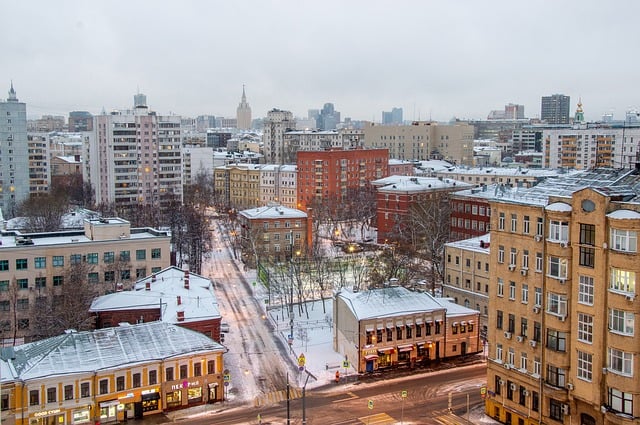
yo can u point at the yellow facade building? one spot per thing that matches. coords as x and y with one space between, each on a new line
563 300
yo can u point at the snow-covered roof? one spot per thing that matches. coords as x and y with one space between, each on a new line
558 206
82 352
198 302
416 184
70 159
477 244
624 215
272 211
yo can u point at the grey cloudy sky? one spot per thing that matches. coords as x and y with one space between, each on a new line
434 59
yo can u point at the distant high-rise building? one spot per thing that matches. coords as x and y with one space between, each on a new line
136 157
14 161
275 125
555 109
392 117
243 114
80 121
511 112
328 118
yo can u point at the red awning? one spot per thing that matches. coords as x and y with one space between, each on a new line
371 357
408 347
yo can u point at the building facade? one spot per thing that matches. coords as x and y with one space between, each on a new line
393 326
276 124
136 158
278 184
554 109
118 374
238 185
563 254
14 161
334 174
243 113
422 141
32 265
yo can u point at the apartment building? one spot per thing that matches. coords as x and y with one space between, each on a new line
423 140
14 161
32 265
278 184
276 124
120 373
238 185
562 254
466 271
136 157
332 174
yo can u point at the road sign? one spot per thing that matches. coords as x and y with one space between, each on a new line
404 394
301 360
345 364
226 377
483 392
370 404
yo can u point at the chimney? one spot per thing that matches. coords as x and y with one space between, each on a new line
180 315
147 285
179 300
186 279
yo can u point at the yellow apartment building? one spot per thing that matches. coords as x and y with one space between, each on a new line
110 375
34 265
563 300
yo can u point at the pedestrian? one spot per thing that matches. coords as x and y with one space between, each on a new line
337 376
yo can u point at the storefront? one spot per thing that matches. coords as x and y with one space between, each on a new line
187 393
48 417
384 356
213 392
404 353
81 415
109 411
150 401
369 356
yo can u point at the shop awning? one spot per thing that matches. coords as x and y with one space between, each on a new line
385 349
463 323
213 385
454 324
407 347
418 321
109 403
371 357
369 328
380 326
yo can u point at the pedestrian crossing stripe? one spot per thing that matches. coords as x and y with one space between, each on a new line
277 396
449 419
378 419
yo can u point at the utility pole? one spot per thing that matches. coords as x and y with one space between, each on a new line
288 402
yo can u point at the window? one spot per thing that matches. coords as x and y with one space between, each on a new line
587 234
22 304
624 240
499 319
535 401
41 282
156 253
409 330
197 369
58 261
620 362
585 290
136 380
537 366
68 392
556 304
587 256
51 395
585 366
92 258
621 322
513 256
523 361
398 333
538 261
93 278
510 389
500 287
109 276
525 225
557 267
211 367
4 265
524 326
511 356
514 223
525 293
512 290
75 258
141 254
21 264
620 402
140 273
169 374
556 376
501 254
85 390
555 410
125 255
58 280
103 386
501 221
558 231
556 340
4 285
623 281
512 323
108 257
183 371
538 296
22 283
585 328
125 274
525 259
153 377
34 397
120 383
498 352
40 262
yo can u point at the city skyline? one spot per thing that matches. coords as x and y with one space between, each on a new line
435 61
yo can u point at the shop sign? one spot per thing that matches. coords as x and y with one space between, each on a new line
185 384
46 413
369 351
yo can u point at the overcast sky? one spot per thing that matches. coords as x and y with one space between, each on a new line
434 59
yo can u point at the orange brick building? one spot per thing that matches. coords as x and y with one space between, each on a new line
331 174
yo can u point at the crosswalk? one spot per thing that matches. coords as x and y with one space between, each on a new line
377 419
450 419
277 396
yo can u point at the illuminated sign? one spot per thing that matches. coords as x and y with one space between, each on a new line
46 413
185 384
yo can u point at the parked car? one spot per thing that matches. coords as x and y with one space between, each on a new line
224 327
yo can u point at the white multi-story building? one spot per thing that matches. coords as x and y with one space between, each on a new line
276 124
14 158
196 160
136 158
278 184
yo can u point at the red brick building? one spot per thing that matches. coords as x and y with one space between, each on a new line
333 174
396 194
470 213
172 295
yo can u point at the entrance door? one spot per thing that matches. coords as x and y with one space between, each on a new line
369 367
137 410
463 348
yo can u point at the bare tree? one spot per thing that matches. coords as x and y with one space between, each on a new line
67 306
44 213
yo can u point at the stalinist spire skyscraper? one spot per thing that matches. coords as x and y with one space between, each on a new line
243 115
